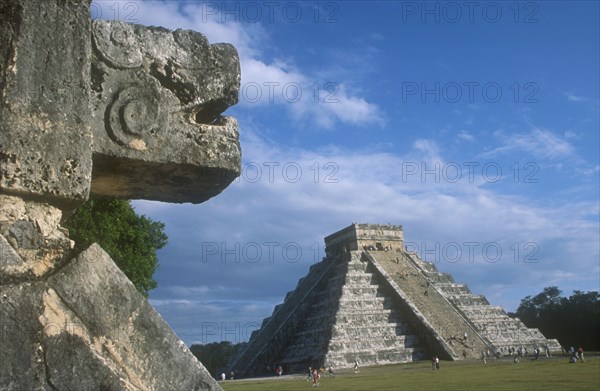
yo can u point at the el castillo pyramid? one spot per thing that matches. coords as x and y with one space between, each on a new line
372 301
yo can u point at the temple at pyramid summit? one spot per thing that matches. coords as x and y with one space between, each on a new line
374 302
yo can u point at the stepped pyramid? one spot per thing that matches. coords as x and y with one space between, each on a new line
372 301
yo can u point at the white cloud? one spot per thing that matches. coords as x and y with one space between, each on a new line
199 292
428 149
370 187
540 143
590 171
464 135
264 81
575 98
569 134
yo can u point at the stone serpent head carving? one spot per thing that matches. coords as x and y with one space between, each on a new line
157 99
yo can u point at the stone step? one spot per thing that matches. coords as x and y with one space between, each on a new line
361 290
498 319
438 277
374 352
366 332
375 305
441 278
354 267
453 289
504 321
371 358
402 341
368 317
367 304
361 278
484 307
467 300
302 352
351 301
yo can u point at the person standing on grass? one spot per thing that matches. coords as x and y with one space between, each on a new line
330 371
580 354
316 378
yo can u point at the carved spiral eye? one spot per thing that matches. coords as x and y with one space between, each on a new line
117 44
135 115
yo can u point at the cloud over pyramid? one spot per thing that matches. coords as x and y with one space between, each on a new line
372 301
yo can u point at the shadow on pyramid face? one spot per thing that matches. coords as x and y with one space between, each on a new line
374 302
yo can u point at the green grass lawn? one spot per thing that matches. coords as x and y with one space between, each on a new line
545 374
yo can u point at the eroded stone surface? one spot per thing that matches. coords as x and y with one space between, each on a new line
157 98
150 98
143 107
88 328
30 231
45 132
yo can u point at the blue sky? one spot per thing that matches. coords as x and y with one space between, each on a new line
475 125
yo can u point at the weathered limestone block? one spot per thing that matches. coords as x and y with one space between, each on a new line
124 111
157 98
88 328
45 134
32 242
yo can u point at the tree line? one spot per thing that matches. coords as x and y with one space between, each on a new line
573 321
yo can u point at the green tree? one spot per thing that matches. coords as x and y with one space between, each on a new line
131 240
533 309
215 356
573 321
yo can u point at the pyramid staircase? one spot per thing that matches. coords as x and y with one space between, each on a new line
438 314
492 322
344 316
378 305
368 326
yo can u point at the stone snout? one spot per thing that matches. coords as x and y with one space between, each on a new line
157 103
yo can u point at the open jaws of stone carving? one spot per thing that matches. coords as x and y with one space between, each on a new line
157 99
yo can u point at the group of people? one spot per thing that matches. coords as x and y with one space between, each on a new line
576 355
522 351
454 338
